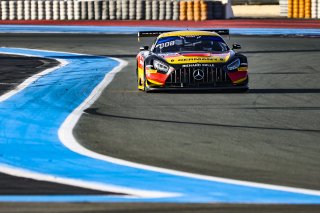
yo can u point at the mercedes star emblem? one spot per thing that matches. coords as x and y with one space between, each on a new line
198 74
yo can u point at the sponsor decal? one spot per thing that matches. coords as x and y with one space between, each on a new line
200 59
198 65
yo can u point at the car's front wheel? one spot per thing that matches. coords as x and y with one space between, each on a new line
145 86
140 83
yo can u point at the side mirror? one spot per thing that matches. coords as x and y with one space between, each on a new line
236 46
144 48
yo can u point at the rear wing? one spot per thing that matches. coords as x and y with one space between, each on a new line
157 33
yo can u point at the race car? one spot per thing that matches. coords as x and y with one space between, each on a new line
191 60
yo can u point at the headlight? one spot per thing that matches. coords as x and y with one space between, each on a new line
234 65
158 65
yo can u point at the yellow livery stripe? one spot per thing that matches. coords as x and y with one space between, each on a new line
154 82
240 80
242 69
188 33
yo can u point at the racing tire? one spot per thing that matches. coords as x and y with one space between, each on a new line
145 87
139 81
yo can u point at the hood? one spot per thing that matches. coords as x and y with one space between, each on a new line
196 57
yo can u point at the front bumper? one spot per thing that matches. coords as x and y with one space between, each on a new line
211 78
242 88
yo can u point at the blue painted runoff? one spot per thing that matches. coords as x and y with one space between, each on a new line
29 140
135 29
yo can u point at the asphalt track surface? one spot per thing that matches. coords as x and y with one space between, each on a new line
15 69
268 135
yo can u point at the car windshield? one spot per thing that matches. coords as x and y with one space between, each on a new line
190 43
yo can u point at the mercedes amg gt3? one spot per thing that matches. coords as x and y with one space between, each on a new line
191 60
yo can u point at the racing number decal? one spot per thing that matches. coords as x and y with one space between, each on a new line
165 44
